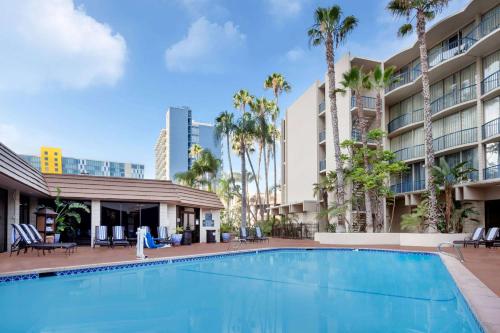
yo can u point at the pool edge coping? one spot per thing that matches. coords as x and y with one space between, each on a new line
467 283
482 301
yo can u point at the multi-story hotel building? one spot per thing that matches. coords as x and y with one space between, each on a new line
175 140
51 161
464 61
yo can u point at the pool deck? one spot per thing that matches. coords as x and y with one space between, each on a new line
478 277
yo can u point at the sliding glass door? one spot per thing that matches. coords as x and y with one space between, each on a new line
131 215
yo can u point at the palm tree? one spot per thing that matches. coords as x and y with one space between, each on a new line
240 101
206 168
187 178
448 176
422 10
357 81
381 79
195 151
278 84
224 126
330 29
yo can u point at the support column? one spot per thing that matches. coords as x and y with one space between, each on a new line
95 218
480 119
171 219
13 202
164 215
32 210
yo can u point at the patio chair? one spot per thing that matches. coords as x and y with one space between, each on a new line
119 238
489 240
149 242
31 230
101 236
259 236
27 239
163 237
244 237
473 239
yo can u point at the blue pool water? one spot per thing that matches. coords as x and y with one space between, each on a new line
276 291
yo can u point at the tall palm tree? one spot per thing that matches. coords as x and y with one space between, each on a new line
278 84
206 167
358 82
330 29
381 79
240 101
224 126
422 10
195 151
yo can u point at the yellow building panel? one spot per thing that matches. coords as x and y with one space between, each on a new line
51 160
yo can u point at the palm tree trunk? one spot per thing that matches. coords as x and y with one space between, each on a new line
274 155
230 162
258 175
256 185
243 185
266 175
330 59
429 150
379 199
363 125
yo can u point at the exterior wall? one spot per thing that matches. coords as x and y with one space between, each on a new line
171 218
161 156
95 218
206 138
178 140
51 160
216 227
301 146
13 201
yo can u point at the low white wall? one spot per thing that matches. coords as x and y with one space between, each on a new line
429 240
403 239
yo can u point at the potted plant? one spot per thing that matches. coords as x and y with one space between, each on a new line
177 237
225 229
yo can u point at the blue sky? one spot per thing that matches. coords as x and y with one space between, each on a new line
95 77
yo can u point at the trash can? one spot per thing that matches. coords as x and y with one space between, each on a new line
211 236
187 237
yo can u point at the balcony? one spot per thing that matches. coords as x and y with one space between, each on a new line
491 128
453 98
322 136
484 27
491 172
454 139
321 107
408 186
356 136
444 53
406 119
404 78
490 82
322 165
410 153
367 102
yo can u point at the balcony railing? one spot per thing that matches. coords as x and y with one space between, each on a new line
446 52
491 172
491 128
455 139
408 186
356 136
409 153
490 82
406 119
321 107
485 27
419 185
322 136
404 78
453 98
322 165
367 102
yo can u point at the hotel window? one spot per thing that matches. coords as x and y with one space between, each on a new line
491 64
394 111
46 158
492 157
491 109
55 153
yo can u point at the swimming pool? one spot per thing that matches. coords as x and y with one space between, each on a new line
268 291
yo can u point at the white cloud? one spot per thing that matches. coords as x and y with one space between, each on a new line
295 54
52 42
207 8
285 8
17 140
206 48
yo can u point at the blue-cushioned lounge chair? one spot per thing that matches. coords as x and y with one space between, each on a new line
119 238
26 239
35 235
489 240
259 236
149 242
163 237
101 236
473 239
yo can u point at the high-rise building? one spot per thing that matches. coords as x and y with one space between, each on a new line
51 161
464 74
175 140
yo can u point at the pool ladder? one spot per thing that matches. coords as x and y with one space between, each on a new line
458 255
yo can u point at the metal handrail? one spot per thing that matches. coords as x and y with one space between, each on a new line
459 255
